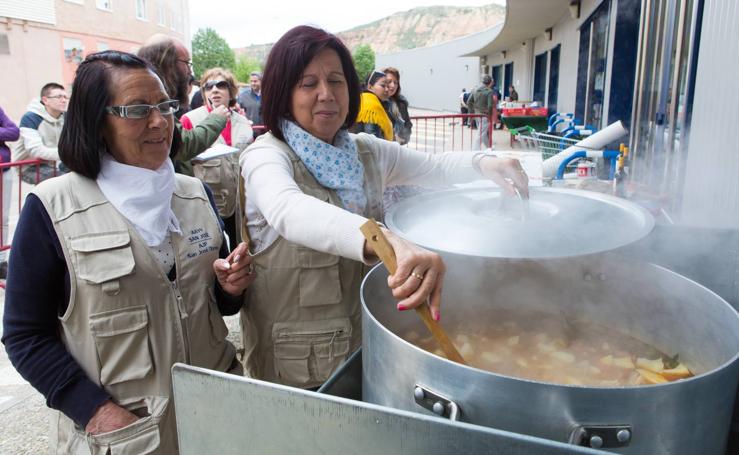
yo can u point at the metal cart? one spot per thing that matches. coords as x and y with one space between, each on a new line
227 414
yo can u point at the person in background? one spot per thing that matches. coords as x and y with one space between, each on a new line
251 99
481 102
463 106
398 106
222 174
172 61
196 97
512 94
40 129
495 118
372 117
9 132
310 185
124 292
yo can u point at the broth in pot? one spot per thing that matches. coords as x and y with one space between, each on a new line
547 348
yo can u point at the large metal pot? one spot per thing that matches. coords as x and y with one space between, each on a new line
642 300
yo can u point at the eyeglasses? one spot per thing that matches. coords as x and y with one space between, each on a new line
221 85
64 97
139 111
186 62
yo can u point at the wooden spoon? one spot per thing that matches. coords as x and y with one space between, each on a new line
385 252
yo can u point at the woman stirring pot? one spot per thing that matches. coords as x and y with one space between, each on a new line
310 185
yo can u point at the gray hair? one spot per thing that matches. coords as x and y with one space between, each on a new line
256 73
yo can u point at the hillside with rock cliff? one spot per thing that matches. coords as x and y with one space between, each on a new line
418 27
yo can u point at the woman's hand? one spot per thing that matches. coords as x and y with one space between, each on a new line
236 272
419 277
507 173
221 111
109 417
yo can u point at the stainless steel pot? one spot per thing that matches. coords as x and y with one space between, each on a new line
653 304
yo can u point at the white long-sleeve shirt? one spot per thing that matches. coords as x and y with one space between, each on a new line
39 135
277 207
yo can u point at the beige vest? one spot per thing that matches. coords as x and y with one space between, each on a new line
222 174
302 315
126 324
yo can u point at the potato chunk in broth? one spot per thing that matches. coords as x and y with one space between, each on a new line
551 349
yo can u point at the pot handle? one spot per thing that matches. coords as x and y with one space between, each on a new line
438 404
601 436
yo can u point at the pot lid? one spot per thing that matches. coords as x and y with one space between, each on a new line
555 222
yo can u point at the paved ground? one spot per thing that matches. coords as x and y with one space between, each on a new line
24 417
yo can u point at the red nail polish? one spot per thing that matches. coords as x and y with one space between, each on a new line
402 307
437 316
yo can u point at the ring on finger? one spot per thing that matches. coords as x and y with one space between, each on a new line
417 276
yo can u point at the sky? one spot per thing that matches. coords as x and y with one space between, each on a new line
243 23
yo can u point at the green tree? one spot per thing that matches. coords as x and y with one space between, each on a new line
364 61
244 67
209 50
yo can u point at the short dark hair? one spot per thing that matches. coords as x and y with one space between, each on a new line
81 142
374 77
163 55
47 88
285 65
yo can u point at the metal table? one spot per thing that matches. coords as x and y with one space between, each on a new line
225 414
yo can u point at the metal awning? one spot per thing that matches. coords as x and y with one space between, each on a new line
524 20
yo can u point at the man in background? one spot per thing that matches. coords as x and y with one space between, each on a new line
172 61
482 101
251 99
40 128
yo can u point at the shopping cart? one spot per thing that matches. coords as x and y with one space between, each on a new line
551 145
548 144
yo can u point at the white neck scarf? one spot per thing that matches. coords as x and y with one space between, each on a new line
143 196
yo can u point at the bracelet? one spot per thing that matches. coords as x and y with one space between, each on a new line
477 157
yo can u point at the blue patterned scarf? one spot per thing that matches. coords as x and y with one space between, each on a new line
333 166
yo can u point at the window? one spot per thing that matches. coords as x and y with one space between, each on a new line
106 5
173 22
4 44
103 46
162 14
540 74
79 2
74 50
553 79
141 9
508 73
591 69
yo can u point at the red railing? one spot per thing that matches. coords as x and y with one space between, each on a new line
5 211
441 133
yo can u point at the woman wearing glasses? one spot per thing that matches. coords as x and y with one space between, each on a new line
222 174
116 272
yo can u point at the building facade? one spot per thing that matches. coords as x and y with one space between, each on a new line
433 77
44 40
